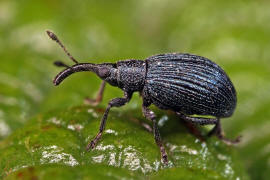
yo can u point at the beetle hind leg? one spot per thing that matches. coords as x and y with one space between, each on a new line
217 130
197 120
98 98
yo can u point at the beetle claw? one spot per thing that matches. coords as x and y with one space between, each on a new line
164 158
230 142
89 101
93 143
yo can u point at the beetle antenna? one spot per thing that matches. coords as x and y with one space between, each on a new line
60 64
55 38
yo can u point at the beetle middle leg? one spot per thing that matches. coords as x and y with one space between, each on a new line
98 98
116 102
150 115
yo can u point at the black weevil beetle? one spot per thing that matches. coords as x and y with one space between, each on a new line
184 83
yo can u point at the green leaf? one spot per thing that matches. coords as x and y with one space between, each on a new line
57 140
79 172
234 34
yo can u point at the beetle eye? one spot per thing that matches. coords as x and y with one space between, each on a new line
103 72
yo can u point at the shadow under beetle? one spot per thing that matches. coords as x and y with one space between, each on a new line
184 83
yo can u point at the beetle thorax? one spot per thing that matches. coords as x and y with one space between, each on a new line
131 75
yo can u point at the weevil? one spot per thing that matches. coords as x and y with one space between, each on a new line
184 83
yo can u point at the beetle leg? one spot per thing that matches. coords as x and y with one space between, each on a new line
151 116
217 130
116 102
98 99
197 120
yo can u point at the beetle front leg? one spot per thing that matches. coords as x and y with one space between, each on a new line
150 115
116 102
217 130
98 99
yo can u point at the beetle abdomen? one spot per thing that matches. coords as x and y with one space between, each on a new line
190 84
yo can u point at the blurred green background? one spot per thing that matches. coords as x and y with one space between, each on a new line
234 34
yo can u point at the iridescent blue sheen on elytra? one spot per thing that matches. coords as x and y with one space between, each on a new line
189 84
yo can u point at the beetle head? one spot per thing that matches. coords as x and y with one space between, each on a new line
107 72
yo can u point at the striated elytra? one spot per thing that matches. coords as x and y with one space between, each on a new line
184 83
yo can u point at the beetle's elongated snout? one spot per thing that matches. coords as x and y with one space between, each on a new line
106 71
75 68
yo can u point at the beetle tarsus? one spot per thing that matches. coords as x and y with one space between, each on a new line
147 127
164 155
93 143
99 97
230 141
